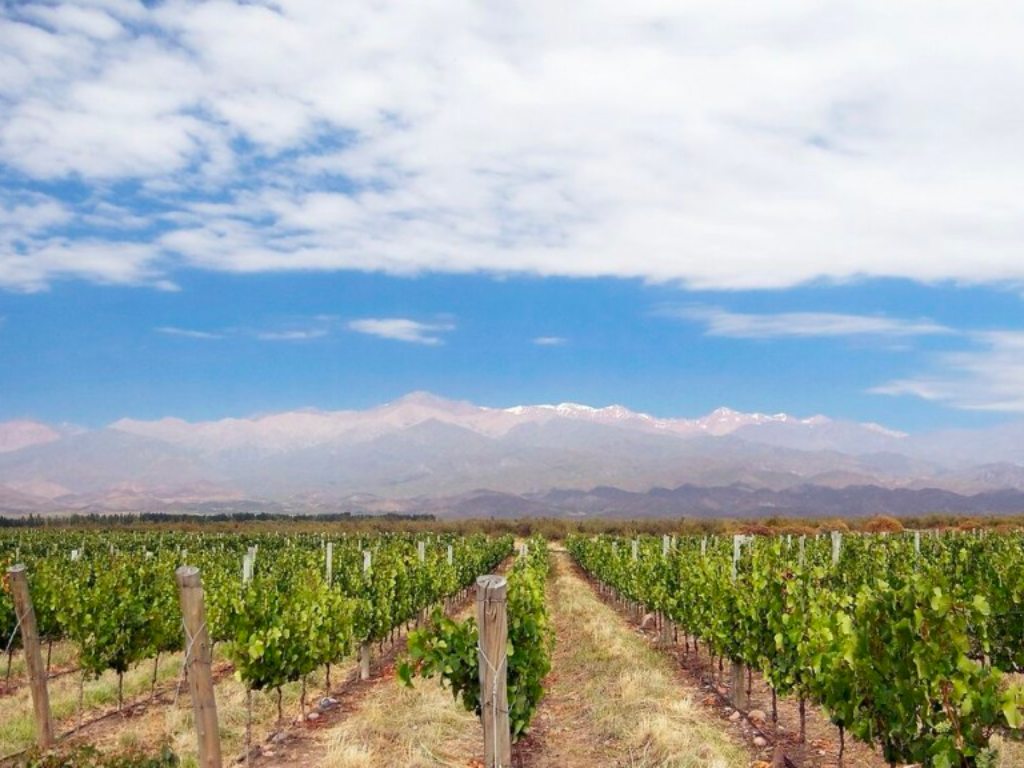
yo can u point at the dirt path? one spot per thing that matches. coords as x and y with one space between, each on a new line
821 748
612 701
378 722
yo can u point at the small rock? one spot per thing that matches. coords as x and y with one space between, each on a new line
313 716
269 753
757 716
760 741
734 716
326 703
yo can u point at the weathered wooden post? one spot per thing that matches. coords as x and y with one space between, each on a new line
492 618
738 688
421 614
17 577
329 563
198 661
364 648
666 624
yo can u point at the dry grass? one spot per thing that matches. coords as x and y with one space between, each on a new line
173 723
63 656
612 700
152 723
1011 752
17 729
396 726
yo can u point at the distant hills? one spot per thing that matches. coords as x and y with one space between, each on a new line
423 453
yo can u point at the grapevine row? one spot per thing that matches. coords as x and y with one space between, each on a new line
449 649
115 597
892 636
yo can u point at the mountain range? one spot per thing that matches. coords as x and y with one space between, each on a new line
426 453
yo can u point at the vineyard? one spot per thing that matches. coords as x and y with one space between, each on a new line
909 644
904 641
278 607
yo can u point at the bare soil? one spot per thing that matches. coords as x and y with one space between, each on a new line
821 746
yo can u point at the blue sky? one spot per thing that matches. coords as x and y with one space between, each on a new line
671 206
237 345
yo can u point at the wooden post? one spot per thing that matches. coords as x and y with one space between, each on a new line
330 562
667 543
198 659
421 614
666 630
492 619
364 648
737 687
18 579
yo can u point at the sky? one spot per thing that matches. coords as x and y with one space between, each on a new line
222 208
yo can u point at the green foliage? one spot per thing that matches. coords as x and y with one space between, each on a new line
114 607
282 628
446 649
890 641
89 757
449 649
115 595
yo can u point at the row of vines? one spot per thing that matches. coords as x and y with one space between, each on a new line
301 602
904 641
449 649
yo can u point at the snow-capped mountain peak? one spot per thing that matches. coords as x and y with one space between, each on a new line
15 435
292 430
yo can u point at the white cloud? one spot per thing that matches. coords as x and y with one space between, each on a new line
707 142
550 341
295 334
31 255
402 329
294 329
989 377
738 325
42 261
188 333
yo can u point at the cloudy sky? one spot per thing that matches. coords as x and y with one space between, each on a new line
221 208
